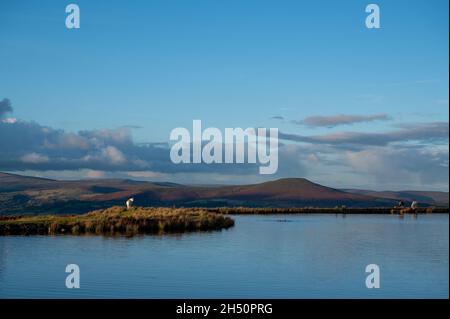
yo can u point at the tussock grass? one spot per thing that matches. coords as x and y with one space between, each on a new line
117 220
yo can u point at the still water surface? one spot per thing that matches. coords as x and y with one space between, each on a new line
289 256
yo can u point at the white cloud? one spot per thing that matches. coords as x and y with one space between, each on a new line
108 154
112 154
34 158
145 174
10 120
403 167
94 174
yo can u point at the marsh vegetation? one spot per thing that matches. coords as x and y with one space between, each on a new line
117 220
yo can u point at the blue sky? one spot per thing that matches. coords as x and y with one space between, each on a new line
157 65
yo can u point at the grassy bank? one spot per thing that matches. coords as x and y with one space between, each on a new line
116 220
144 220
312 210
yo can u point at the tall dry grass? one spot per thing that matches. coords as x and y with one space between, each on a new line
118 220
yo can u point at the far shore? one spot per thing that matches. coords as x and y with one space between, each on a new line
149 220
335 210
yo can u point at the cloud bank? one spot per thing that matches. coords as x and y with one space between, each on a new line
341 119
432 132
408 156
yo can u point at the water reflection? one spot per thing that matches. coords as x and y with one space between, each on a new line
291 256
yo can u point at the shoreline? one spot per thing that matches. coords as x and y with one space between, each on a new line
116 220
313 210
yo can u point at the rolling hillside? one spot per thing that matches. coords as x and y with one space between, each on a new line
23 194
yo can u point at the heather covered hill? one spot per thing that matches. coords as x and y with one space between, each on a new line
12 182
31 195
287 189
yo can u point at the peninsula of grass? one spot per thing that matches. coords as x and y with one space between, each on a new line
117 221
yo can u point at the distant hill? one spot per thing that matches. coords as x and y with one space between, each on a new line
428 197
12 182
23 195
287 192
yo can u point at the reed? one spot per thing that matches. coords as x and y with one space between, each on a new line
117 220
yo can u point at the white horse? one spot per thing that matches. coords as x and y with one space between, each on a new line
414 204
129 203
